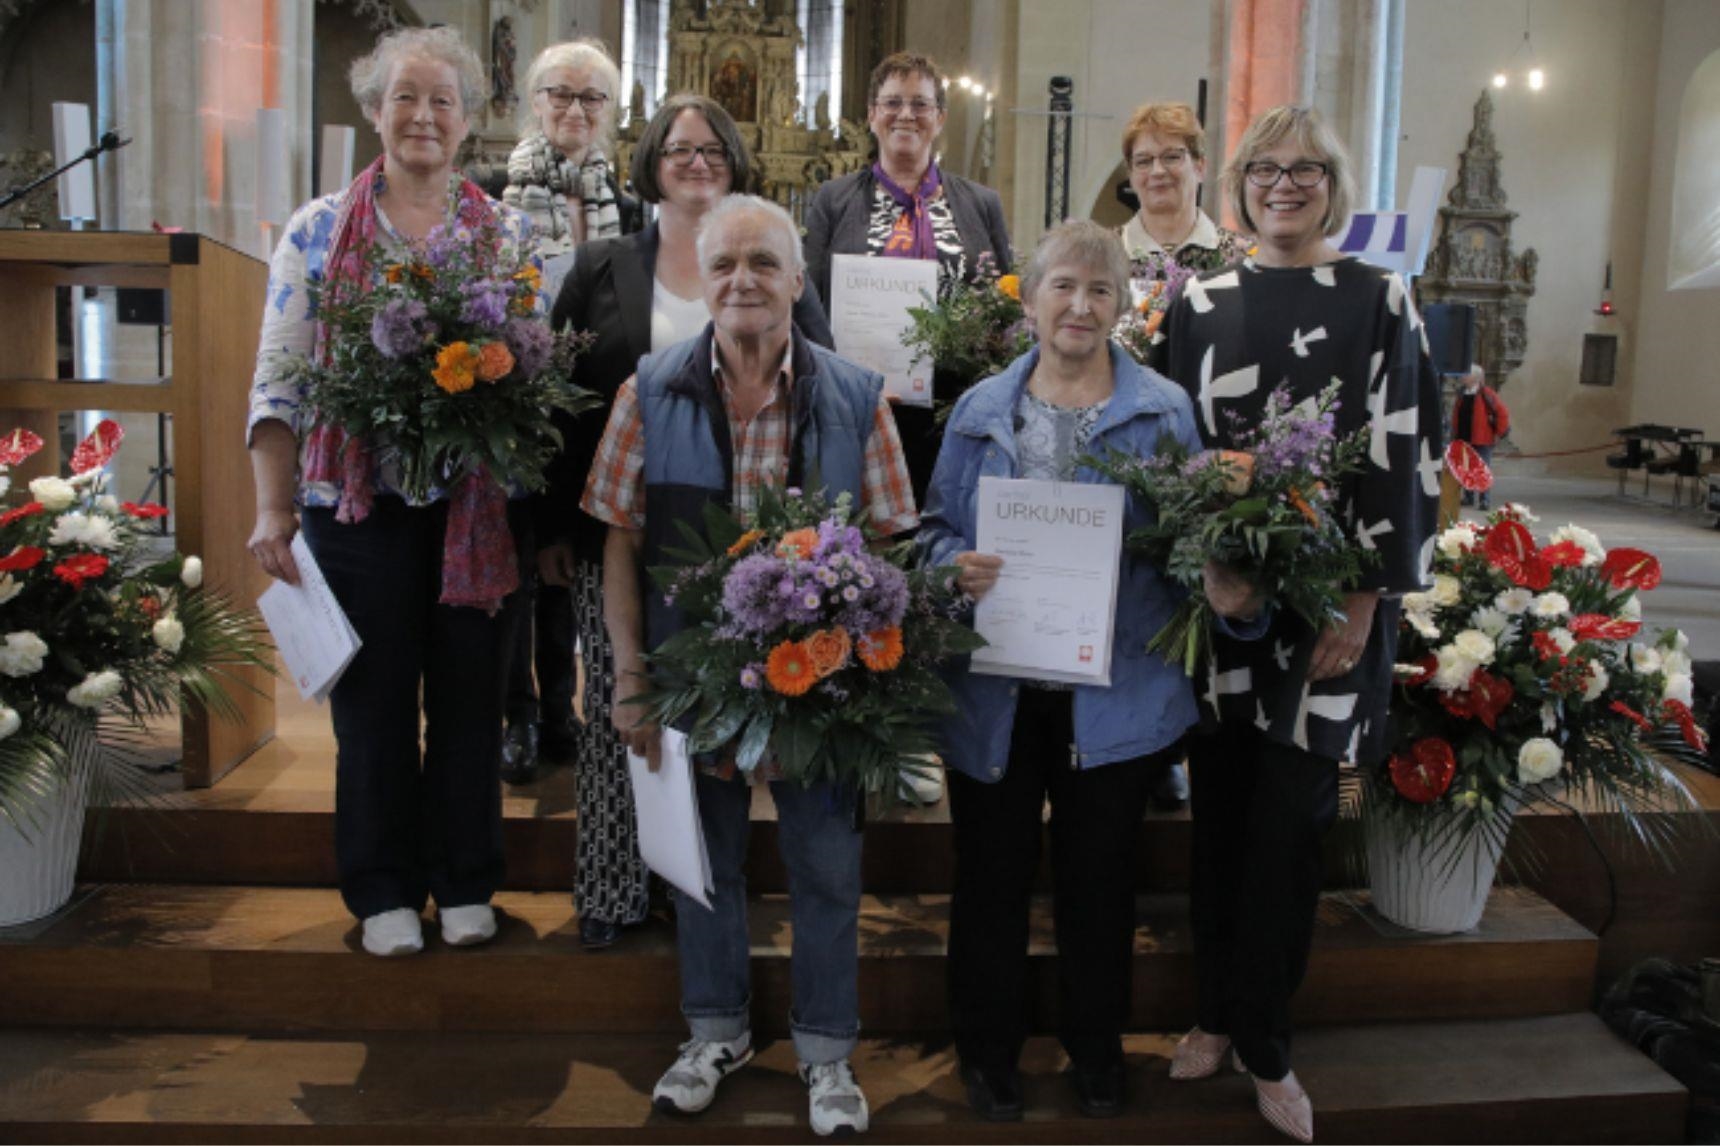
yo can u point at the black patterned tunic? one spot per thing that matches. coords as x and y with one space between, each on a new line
1235 335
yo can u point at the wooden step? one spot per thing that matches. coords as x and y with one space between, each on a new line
235 958
1561 1078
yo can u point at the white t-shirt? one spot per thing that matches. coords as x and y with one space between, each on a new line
673 318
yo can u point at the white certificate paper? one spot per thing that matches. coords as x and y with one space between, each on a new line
1052 612
671 838
869 302
311 632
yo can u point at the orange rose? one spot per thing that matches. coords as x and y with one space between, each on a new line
745 542
1238 471
1010 285
456 364
789 669
798 544
494 361
828 649
881 651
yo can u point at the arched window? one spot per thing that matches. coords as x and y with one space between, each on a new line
818 60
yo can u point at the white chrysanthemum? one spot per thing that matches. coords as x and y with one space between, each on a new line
107 503
1491 621
1680 686
1593 551
1630 609
1514 602
1454 670
1475 645
1455 540
192 572
54 493
1598 681
74 528
1564 638
1672 661
9 721
96 689
1539 760
1644 658
10 587
22 654
168 633
1447 590
1423 624
1552 605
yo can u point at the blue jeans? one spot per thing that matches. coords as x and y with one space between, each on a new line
821 850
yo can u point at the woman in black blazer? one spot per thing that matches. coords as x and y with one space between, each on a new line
636 294
903 206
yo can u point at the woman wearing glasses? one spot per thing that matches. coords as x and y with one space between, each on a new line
1301 315
636 294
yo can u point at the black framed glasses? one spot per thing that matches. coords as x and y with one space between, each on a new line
681 154
1304 173
590 99
895 105
1171 160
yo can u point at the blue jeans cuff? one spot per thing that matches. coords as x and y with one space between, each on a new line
719 1024
813 1046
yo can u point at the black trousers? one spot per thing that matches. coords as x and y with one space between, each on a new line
1095 819
1260 810
410 823
543 639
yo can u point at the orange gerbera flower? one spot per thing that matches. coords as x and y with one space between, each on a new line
1238 471
789 669
828 649
745 542
798 544
494 361
393 271
1010 285
456 366
1301 503
529 275
881 651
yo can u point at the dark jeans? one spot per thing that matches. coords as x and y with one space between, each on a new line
1260 810
544 638
1095 819
411 824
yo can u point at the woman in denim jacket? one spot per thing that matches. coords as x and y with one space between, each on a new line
1094 751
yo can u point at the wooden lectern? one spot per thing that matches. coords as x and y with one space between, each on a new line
217 306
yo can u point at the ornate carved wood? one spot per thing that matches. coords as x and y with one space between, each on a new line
1472 261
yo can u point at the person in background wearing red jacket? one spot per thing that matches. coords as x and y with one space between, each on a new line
1480 418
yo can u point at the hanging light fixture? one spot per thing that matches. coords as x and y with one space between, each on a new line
1535 77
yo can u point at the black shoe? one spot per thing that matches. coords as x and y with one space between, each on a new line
559 740
596 934
1099 1093
1171 791
994 1093
520 753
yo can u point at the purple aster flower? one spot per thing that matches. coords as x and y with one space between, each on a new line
750 597
486 302
531 343
752 676
399 327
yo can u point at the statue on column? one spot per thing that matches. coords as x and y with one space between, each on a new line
503 54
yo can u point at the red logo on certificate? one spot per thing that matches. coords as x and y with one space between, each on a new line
1086 654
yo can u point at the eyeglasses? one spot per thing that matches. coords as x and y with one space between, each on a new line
1303 174
895 105
681 154
1169 160
590 99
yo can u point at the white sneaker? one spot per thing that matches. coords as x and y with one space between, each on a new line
837 1104
396 932
467 925
690 1085
922 784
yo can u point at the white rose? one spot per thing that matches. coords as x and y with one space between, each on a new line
53 493
1644 658
1454 670
1447 590
22 654
1673 661
169 634
1680 687
1514 602
1472 644
192 572
1538 760
1455 540
81 529
1598 681
1552 605
96 689
1563 638
1630 609
1593 552
9 721
10 587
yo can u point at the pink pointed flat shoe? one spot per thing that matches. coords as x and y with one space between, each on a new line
1189 1063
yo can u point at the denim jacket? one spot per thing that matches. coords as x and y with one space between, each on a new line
1149 703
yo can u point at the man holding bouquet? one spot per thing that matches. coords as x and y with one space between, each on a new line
716 419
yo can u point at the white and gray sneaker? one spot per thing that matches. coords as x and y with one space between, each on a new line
690 1085
837 1104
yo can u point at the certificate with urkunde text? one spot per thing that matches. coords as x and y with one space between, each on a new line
1051 614
869 303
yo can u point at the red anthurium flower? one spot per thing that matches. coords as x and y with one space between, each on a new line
1426 773
1586 626
74 571
1566 554
17 446
1631 714
24 557
1631 569
1467 467
1547 648
146 509
1510 548
1680 712
28 509
1486 697
95 451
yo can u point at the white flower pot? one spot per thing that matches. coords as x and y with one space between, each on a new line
39 862
1438 886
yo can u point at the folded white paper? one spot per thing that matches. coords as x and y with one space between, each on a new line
671 838
311 632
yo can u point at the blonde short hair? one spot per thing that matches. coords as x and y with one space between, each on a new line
1316 140
371 72
584 54
1176 120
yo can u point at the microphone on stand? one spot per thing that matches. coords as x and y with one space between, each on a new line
110 141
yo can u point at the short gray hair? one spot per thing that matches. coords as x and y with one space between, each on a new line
371 72
732 205
584 54
1084 243
1316 140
